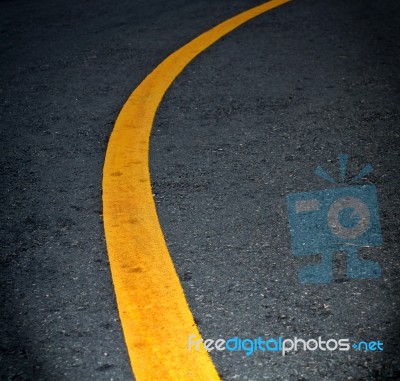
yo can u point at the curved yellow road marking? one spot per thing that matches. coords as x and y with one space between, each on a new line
155 317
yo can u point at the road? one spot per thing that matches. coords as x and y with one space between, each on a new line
243 126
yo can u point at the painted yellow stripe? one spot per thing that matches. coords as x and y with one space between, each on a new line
155 317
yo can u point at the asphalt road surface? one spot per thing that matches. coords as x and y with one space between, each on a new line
244 125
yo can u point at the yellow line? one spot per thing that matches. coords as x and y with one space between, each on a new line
155 317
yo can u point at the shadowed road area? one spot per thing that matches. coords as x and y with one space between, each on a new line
242 127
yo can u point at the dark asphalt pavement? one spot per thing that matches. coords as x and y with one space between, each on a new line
244 125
